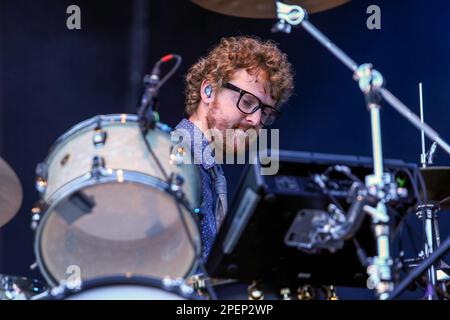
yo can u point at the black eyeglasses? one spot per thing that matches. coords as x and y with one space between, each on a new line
248 103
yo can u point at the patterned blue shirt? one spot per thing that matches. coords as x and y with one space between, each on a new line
205 159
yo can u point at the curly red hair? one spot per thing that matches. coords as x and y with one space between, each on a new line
233 53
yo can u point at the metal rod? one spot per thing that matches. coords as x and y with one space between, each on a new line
377 149
429 250
423 156
338 53
381 261
384 258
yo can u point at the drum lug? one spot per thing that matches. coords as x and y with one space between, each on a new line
177 156
41 177
99 137
36 212
176 181
98 167
179 283
59 291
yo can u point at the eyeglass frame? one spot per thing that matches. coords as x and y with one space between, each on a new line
261 105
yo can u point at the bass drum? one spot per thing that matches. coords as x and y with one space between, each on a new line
108 209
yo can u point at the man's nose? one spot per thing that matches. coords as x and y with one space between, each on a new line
254 118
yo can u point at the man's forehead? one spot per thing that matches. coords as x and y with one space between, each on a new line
258 79
255 76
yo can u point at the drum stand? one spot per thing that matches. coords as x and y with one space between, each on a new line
428 213
435 273
379 184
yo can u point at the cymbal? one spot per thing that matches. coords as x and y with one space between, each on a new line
10 193
263 8
437 181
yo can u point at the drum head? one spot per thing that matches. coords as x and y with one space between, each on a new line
116 228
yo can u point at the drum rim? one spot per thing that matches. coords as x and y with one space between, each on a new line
87 181
121 279
88 123
107 119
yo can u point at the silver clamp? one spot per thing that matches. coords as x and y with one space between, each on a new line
370 81
288 15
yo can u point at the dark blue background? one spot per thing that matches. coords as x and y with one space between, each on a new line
52 78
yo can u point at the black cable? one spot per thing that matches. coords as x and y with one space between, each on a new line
150 150
171 72
324 189
349 174
152 88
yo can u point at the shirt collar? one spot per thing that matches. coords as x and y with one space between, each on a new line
199 145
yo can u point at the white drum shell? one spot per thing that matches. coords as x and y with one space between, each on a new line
135 226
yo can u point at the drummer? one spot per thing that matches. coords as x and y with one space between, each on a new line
240 85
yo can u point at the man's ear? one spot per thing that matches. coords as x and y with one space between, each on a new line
206 92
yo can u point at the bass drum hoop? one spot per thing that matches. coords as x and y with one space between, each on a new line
102 120
64 293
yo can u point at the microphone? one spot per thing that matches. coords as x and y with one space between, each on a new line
147 109
153 78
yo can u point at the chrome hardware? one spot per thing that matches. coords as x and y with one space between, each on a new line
41 177
99 138
100 135
330 292
36 212
286 294
305 292
98 166
176 182
177 156
34 266
254 293
178 283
